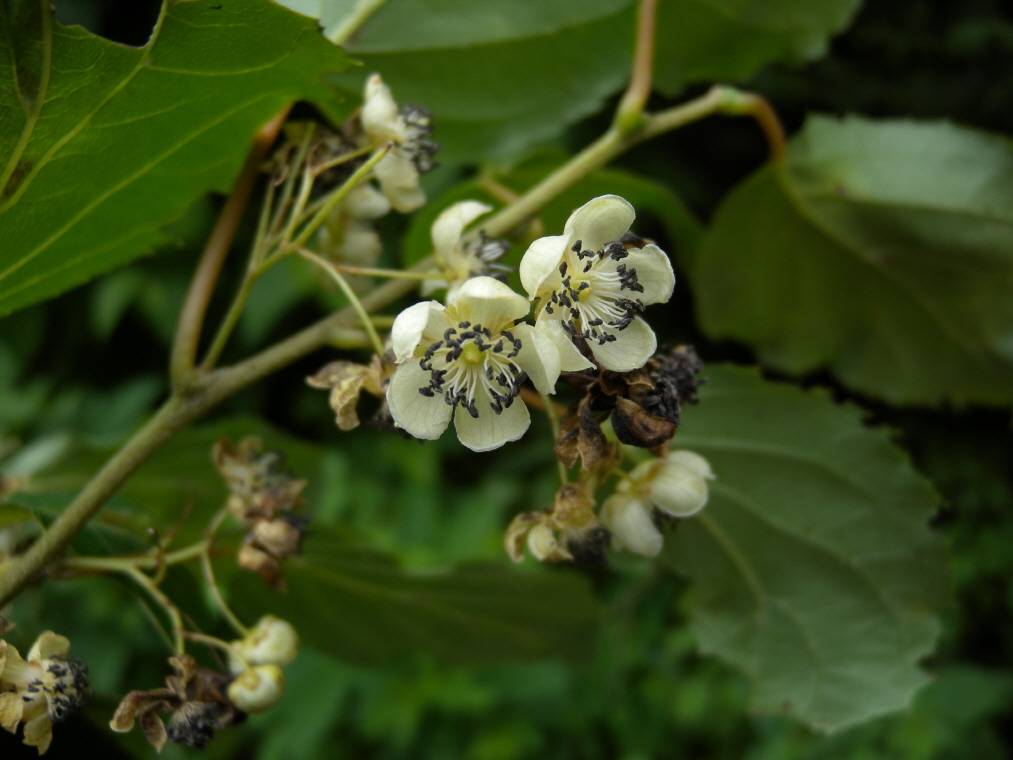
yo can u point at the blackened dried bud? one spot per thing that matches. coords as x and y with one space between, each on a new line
581 438
589 547
260 486
648 401
194 724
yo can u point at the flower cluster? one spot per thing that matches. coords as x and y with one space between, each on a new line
468 360
39 690
262 495
256 661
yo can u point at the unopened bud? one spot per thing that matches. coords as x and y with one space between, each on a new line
542 543
676 485
272 641
257 689
632 527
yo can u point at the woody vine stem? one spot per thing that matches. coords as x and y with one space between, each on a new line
197 387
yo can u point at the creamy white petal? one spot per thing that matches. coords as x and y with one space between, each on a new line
539 357
678 490
630 350
541 261
693 461
361 245
601 220
654 272
421 416
570 357
380 116
399 180
49 645
424 319
629 521
487 301
490 430
366 202
450 224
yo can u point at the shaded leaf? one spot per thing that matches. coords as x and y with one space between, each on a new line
812 567
359 605
107 143
882 250
730 40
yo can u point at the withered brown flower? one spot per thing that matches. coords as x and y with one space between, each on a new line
194 699
347 381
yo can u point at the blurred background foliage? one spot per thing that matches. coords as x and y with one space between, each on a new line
79 373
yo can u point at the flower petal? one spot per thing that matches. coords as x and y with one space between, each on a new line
426 319
541 261
487 301
629 521
381 118
11 708
538 357
490 430
366 202
630 350
599 221
399 181
38 733
570 357
694 462
424 417
49 645
450 224
654 272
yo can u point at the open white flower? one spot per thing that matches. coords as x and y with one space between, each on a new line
594 287
461 258
467 361
408 129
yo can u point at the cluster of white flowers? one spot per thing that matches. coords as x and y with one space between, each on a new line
467 360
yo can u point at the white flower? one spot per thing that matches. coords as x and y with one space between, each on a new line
412 152
348 236
257 689
272 641
595 288
462 258
631 525
41 689
467 361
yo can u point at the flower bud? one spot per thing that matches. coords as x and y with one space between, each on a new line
542 543
272 641
676 485
257 689
632 527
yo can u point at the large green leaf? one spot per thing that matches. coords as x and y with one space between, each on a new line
358 605
812 568
882 250
101 144
730 40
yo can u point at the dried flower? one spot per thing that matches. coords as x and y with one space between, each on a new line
193 697
346 381
569 532
40 690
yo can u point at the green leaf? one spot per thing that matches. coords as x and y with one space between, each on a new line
812 567
731 40
359 605
881 250
520 72
102 144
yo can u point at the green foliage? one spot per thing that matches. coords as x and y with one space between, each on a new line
812 567
882 250
346 599
104 144
723 40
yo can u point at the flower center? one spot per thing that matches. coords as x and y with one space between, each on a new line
596 299
472 362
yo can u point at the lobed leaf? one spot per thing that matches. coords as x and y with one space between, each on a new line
812 567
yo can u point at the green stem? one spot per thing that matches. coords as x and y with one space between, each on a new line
209 574
353 21
353 299
630 112
390 274
164 602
